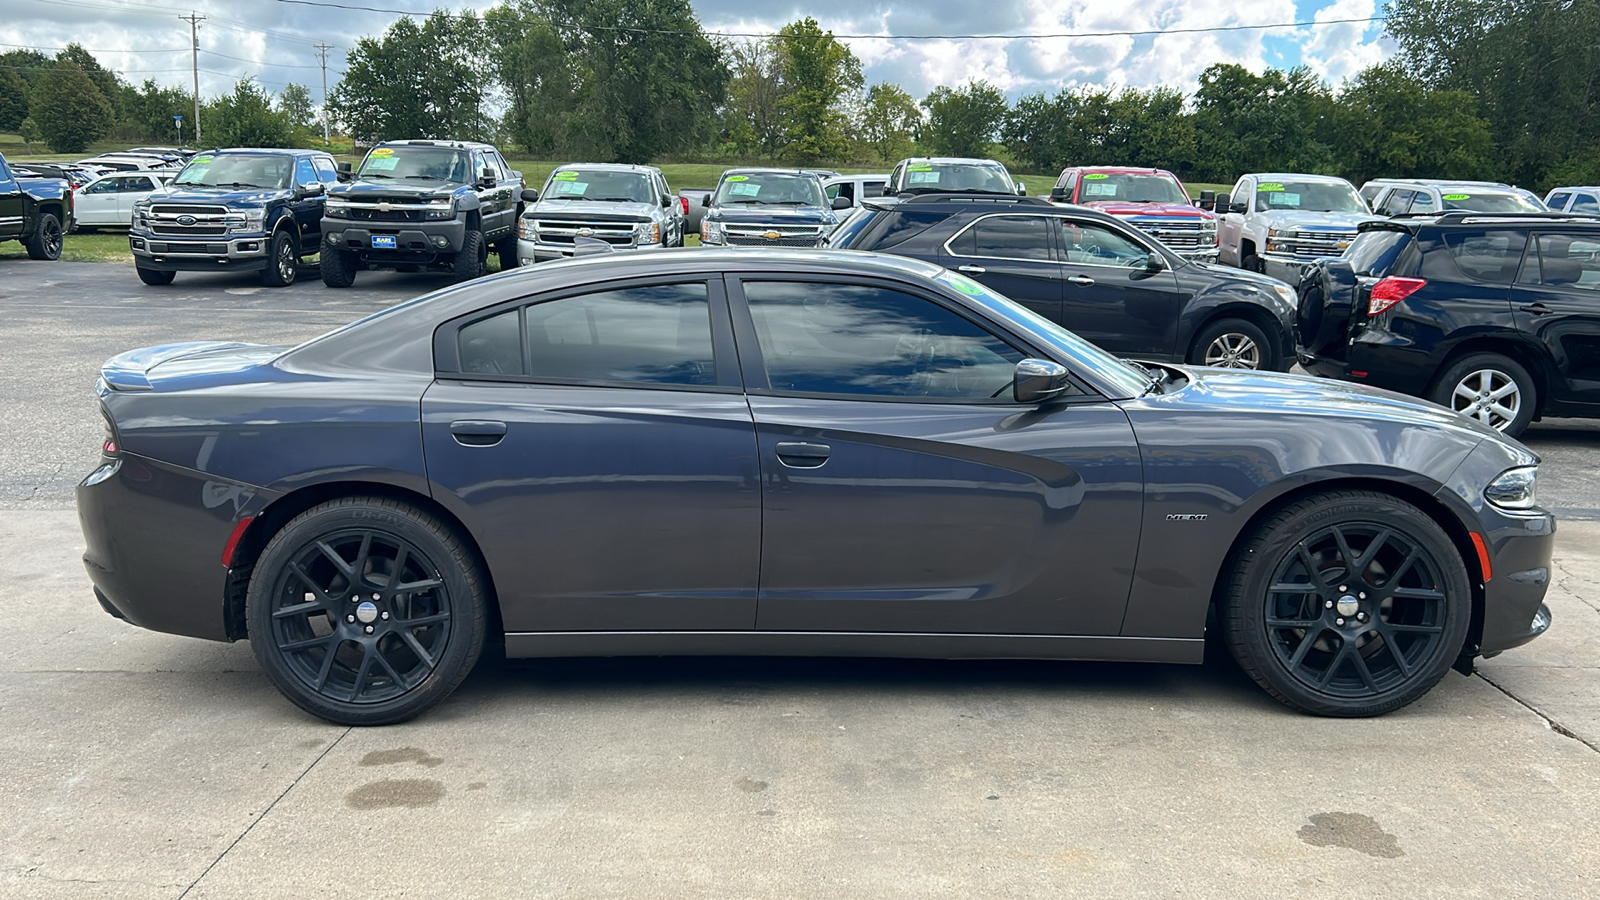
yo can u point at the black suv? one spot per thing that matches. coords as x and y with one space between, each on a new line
422 205
1494 315
1090 272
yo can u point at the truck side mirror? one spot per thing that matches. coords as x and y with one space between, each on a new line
840 203
666 202
529 195
705 200
1058 195
1208 200
344 171
487 178
1022 189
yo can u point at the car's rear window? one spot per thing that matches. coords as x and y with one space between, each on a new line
1374 252
897 227
1489 201
1491 256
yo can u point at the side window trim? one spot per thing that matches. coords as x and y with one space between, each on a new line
1055 254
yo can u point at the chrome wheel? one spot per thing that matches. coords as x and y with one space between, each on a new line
1488 395
1232 350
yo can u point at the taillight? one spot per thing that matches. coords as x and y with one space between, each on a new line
1391 290
108 444
685 202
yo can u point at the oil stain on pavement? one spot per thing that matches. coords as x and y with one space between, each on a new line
396 793
1352 831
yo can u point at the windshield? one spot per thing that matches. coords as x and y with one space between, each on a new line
1479 201
1309 196
967 178
236 170
1099 186
1086 357
588 184
775 188
418 163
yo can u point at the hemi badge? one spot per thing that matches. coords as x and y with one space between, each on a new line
1187 517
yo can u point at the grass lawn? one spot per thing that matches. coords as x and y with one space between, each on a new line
102 246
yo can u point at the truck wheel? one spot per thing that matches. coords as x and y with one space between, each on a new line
470 262
155 277
507 250
46 240
282 260
338 267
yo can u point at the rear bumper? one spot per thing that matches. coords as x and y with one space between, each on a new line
165 254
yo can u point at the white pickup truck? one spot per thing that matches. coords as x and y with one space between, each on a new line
1277 224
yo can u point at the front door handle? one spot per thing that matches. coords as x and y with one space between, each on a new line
972 270
1081 279
802 455
477 432
1538 309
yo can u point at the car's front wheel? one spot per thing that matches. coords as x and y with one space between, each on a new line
46 242
472 260
155 276
366 611
283 261
1349 603
1491 388
338 267
1232 344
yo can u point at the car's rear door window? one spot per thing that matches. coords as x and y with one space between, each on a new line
1005 237
1491 256
870 341
1557 201
1565 261
1585 203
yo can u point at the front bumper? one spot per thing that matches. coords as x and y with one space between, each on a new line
196 254
530 252
413 240
1288 269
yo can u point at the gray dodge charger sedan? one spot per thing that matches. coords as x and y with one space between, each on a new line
791 453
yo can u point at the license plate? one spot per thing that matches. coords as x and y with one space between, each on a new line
383 242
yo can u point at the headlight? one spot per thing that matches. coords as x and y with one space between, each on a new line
1287 294
710 232
440 209
1514 489
335 210
245 221
648 232
527 230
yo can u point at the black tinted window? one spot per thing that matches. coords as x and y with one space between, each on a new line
898 227
1585 203
1008 237
492 346
659 334
1569 261
858 339
1487 255
1374 252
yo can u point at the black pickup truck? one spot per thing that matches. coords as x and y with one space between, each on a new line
35 211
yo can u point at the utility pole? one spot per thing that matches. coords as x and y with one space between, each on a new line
194 19
322 52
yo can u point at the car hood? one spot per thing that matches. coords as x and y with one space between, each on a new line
149 368
1119 208
1305 219
774 215
594 209
405 192
241 199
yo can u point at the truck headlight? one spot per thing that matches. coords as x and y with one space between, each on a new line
336 210
246 221
710 232
527 229
1514 488
440 209
648 233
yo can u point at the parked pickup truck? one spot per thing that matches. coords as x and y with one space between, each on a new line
1151 200
768 208
35 211
628 207
252 210
1278 224
437 205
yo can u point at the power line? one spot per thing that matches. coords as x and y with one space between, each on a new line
157 9
91 49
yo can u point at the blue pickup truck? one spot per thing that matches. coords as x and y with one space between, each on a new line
252 210
35 211
768 208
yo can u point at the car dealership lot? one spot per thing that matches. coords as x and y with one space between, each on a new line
149 765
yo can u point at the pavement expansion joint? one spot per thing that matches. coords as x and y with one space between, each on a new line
1552 724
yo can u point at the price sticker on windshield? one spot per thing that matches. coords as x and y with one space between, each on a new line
743 188
1271 187
1458 196
1095 176
922 176
572 188
565 176
383 151
382 164
1108 189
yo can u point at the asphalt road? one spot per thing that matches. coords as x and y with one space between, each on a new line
138 765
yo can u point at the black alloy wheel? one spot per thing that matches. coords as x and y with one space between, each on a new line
1348 604
47 239
282 260
366 611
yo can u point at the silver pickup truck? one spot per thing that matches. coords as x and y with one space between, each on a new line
628 207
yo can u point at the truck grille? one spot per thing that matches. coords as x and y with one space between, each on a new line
373 214
204 249
188 221
1180 234
169 228
776 236
1307 245
164 210
564 231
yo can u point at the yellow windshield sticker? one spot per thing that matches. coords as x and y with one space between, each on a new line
565 176
1096 176
1458 196
383 151
738 178
1271 187
202 159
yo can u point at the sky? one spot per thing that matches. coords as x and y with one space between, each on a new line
273 39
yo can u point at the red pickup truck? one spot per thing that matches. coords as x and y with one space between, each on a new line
1151 200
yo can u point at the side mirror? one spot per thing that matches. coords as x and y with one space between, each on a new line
313 189
840 203
1154 263
705 199
1058 195
1022 189
886 192
529 195
666 202
1037 380
1208 200
1219 203
487 178
344 168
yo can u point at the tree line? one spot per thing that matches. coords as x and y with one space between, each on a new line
1482 89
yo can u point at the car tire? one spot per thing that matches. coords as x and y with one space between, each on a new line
338 267
506 249
283 261
1250 262
409 641
46 241
1233 344
1494 389
470 262
1383 614
155 276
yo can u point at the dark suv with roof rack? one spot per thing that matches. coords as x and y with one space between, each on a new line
1496 316
1092 273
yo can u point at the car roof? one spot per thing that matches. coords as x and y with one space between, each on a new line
1121 170
766 170
1445 182
1575 187
953 160
605 167
1299 176
269 151
420 142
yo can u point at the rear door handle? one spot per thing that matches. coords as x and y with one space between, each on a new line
1538 309
802 455
477 432
972 270
1080 279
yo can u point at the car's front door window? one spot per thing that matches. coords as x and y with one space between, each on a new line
1093 244
865 340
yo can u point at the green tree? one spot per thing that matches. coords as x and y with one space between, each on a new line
817 73
1273 122
1390 124
888 124
296 105
754 121
29 131
70 112
245 118
424 81
148 110
13 99
110 85
530 63
965 120
30 64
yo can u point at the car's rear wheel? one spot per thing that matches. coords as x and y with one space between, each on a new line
46 241
472 260
1491 388
1232 344
155 276
282 260
338 267
1350 603
366 611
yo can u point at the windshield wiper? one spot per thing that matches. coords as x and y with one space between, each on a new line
619 200
1157 375
240 184
373 175
792 203
743 201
